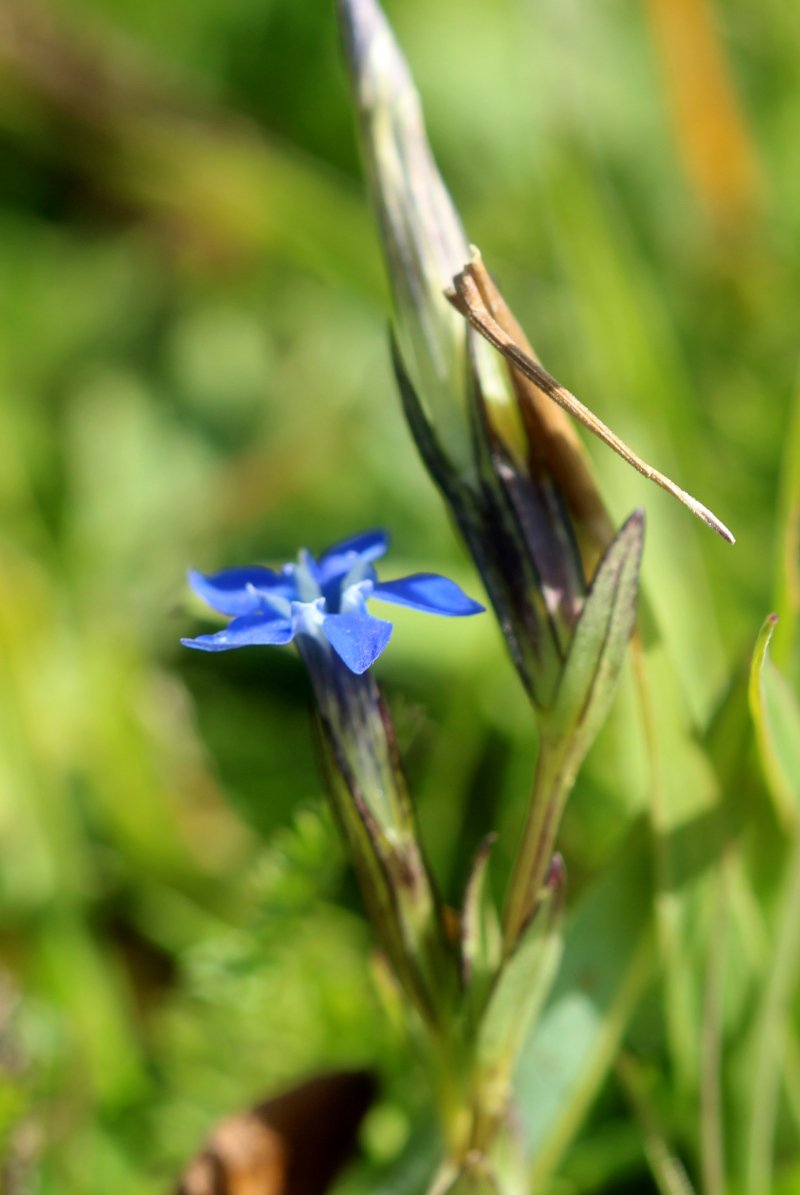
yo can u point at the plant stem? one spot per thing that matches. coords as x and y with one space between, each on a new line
667 1170
712 1149
555 773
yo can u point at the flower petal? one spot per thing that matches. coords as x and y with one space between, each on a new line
428 592
339 559
237 590
249 631
357 638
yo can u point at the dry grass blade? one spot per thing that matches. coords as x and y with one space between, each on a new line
553 443
466 297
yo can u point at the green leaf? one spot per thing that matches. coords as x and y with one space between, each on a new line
607 960
519 992
475 1178
393 885
473 1183
667 1170
481 939
777 721
598 646
586 687
787 582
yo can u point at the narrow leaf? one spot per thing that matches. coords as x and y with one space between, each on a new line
777 721
472 1180
601 638
402 929
585 689
521 988
667 1170
481 940
607 960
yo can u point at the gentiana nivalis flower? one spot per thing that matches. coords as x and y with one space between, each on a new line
325 599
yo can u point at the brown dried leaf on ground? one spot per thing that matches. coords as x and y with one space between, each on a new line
292 1144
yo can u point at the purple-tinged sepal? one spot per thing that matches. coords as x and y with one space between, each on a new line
322 606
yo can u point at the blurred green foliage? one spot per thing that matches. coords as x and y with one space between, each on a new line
194 371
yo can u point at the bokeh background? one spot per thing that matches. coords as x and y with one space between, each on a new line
194 372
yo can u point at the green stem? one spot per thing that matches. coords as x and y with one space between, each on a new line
555 775
712 1148
667 1170
458 1099
477 1129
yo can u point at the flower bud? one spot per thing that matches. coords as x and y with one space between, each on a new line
460 398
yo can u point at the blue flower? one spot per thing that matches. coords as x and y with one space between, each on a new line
325 599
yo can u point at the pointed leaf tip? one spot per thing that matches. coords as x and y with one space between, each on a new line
520 989
776 717
598 646
481 940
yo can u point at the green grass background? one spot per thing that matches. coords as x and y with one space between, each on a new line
194 372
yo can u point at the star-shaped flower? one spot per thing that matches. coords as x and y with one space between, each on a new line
325 599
